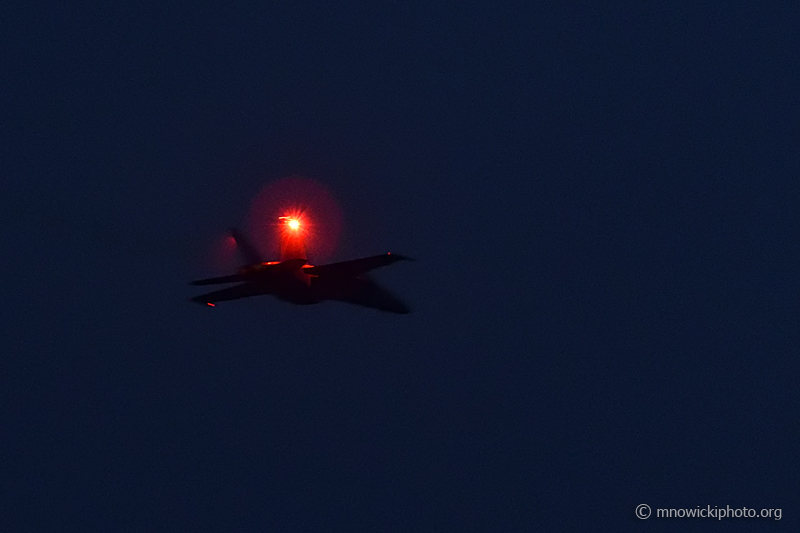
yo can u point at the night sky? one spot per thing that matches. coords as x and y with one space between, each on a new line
602 199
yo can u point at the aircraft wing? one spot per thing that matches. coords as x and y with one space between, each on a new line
236 292
358 291
218 281
354 268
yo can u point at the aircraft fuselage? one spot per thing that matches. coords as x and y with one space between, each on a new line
294 280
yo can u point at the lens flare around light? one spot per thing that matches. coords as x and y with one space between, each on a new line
291 222
295 210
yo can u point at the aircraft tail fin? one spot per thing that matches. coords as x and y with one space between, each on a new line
247 250
293 244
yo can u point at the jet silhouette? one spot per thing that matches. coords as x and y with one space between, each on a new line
293 280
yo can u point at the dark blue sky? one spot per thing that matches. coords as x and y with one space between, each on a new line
603 201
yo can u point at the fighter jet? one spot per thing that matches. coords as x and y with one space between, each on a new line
293 280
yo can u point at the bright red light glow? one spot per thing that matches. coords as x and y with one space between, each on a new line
295 217
210 304
291 222
293 235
